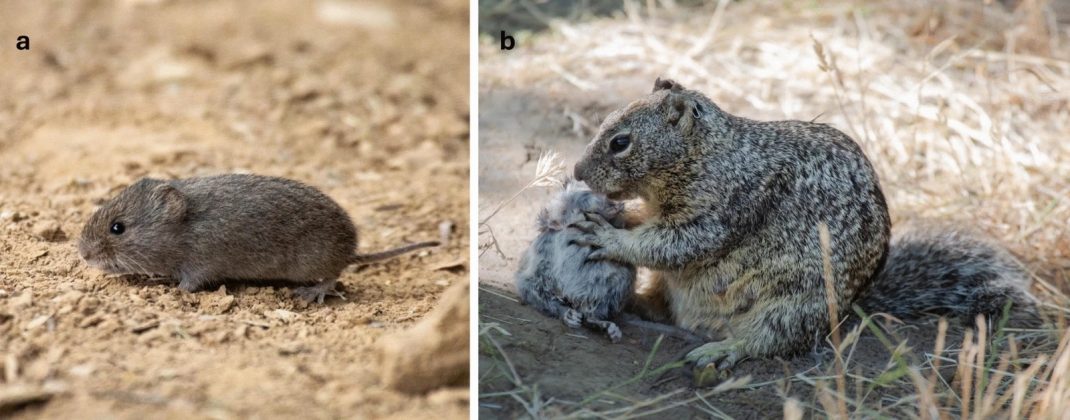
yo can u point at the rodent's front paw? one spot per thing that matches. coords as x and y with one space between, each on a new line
597 233
594 223
598 254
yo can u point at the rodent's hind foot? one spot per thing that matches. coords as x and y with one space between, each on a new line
709 375
572 318
713 361
614 332
611 328
723 354
318 292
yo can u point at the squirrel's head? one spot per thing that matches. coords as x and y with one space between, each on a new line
646 137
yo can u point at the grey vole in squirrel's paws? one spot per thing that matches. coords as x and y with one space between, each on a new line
204 230
556 276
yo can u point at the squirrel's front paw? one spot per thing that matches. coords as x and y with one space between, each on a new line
594 223
595 232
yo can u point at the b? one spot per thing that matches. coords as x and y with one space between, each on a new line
508 42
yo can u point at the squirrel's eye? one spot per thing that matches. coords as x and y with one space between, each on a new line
619 143
117 228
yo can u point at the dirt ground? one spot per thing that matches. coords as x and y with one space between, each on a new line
366 100
552 91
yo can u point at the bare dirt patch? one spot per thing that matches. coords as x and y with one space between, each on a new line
367 101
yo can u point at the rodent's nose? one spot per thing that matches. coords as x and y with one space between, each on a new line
83 250
577 172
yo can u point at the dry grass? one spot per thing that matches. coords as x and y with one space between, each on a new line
963 107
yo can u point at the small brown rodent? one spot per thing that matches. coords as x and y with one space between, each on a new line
227 227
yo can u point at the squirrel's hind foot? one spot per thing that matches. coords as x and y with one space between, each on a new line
724 354
713 361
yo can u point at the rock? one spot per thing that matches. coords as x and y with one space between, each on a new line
12 215
23 300
434 352
15 396
217 303
360 15
291 348
37 322
50 231
282 315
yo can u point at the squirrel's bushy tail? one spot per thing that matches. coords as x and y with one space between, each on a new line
952 272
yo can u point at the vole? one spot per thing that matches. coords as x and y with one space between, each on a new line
555 276
228 227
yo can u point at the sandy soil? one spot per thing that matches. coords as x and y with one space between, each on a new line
551 93
367 101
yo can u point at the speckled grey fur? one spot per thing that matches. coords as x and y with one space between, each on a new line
735 206
555 275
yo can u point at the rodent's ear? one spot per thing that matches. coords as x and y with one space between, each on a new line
681 111
567 183
172 201
663 84
546 223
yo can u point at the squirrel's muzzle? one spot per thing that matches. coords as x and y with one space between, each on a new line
578 171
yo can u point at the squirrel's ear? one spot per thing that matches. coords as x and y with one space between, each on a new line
682 111
663 84
172 201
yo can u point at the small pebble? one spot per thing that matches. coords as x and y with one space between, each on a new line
50 231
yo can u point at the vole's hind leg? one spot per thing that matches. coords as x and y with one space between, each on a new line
319 291
572 318
611 329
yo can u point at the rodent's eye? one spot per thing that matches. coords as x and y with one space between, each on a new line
117 228
619 143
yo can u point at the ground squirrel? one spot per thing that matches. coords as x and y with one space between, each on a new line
735 206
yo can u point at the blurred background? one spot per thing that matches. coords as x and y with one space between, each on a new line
962 106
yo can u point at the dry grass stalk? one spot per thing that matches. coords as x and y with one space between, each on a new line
834 321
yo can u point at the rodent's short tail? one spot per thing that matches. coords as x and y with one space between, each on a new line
391 253
952 272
